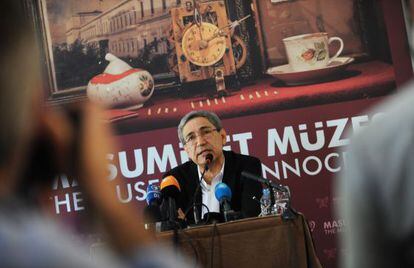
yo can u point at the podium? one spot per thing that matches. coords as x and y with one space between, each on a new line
253 242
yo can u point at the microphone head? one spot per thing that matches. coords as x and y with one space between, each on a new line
153 194
170 187
209 158
222 192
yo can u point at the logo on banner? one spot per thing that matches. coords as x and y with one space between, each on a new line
312 225
333 227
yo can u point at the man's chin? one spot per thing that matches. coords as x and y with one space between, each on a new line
203 155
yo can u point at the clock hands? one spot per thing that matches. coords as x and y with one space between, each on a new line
204 43
198 20
219 33
232 25
236 23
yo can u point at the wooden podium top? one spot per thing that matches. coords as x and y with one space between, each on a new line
253 242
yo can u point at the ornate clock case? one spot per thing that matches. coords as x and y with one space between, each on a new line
202 41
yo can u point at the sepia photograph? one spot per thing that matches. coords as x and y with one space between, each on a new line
155 60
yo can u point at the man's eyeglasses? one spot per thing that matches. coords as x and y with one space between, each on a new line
204 133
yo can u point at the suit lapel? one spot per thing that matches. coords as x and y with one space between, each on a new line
229 171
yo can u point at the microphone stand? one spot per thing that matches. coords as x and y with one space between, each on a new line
209 158
172 222
195 208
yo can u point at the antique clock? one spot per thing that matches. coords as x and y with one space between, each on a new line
204 46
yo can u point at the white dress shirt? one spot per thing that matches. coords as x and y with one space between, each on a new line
207 192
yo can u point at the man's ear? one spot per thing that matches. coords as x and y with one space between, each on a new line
223 135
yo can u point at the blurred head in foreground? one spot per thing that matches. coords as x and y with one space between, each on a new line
377 188
19 92
38 143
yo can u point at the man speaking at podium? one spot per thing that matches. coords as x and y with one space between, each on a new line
203 138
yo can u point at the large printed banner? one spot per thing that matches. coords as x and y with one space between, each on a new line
302 148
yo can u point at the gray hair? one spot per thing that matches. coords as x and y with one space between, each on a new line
19 76
210 116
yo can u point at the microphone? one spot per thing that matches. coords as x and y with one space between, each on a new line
269 183
152 211
223 195
209 159
170 190
153 195
170 187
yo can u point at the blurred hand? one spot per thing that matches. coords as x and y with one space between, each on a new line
83 132
121 220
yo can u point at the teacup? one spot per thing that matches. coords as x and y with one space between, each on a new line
310 51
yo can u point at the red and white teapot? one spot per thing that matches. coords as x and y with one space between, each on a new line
120 85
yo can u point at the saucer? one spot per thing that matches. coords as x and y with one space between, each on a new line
290 77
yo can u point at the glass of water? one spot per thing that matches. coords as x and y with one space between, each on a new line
281 201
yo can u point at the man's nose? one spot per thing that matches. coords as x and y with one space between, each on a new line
200 139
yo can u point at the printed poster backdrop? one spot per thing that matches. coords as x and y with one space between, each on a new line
228 57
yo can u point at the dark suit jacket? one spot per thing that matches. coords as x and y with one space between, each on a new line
242 189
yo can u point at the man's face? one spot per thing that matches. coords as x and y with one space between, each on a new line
202 139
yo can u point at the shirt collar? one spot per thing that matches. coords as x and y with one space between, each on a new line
219 175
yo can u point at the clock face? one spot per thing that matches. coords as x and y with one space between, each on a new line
202 45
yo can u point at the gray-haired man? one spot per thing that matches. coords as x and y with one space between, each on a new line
203 138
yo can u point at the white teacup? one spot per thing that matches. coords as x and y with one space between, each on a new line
310 51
